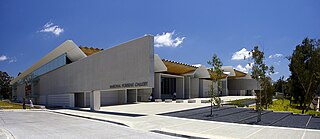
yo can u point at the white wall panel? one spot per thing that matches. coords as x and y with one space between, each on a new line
130 62
66 100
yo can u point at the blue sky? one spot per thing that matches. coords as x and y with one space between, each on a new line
189 31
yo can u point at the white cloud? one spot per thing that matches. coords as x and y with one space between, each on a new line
166 40
277 62
276 73
12 59
276 56
51 28
3 58
241 55
240 68
246 68
9 59
249 66
197 65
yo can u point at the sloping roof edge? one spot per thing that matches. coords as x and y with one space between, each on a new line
73 52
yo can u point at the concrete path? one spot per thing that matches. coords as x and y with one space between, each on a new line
43 124
190 127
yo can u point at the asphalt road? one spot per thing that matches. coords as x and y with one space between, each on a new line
42 124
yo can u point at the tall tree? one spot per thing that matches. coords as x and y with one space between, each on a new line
280 86
305 71
216 65
259 73
5 87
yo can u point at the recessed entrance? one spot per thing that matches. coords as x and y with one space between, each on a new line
168 87
79 100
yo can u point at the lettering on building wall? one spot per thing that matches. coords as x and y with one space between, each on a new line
128 85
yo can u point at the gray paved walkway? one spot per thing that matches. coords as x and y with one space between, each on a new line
43 124
152 121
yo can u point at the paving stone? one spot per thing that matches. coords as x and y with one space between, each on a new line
314 123
267 119
294 120
218 113
248 116
234 118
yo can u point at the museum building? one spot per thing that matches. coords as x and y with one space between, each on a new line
76 76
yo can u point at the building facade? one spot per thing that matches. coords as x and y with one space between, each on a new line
74 76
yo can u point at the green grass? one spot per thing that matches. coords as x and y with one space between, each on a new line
7 105
239 102
286 107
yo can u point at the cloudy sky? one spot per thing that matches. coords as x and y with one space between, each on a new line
185 31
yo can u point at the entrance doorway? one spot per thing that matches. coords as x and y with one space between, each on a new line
168 87
79 100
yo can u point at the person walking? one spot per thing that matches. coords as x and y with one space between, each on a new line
24 103
31 104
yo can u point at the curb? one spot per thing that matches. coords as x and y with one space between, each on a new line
91 118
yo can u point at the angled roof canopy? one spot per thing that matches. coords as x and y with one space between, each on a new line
89 51
68 47
178 68
239 74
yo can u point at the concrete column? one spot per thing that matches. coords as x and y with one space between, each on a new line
84 99
71 100
187 87
227 90
194 88
157 86
95 101
123 98
180 87
136 95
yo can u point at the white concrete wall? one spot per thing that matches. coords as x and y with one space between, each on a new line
157 86
194 87
187 87
66 100
123 98
205 87
87 99
180 88
144 94
130 62
42 100
243 84
20 92
109 98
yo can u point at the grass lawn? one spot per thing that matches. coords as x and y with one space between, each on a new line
241 102
7 105
286 107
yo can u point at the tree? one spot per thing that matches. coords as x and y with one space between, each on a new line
259 71
305 71
216 65
5 87
279 86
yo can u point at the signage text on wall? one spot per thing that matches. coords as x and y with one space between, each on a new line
128 85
